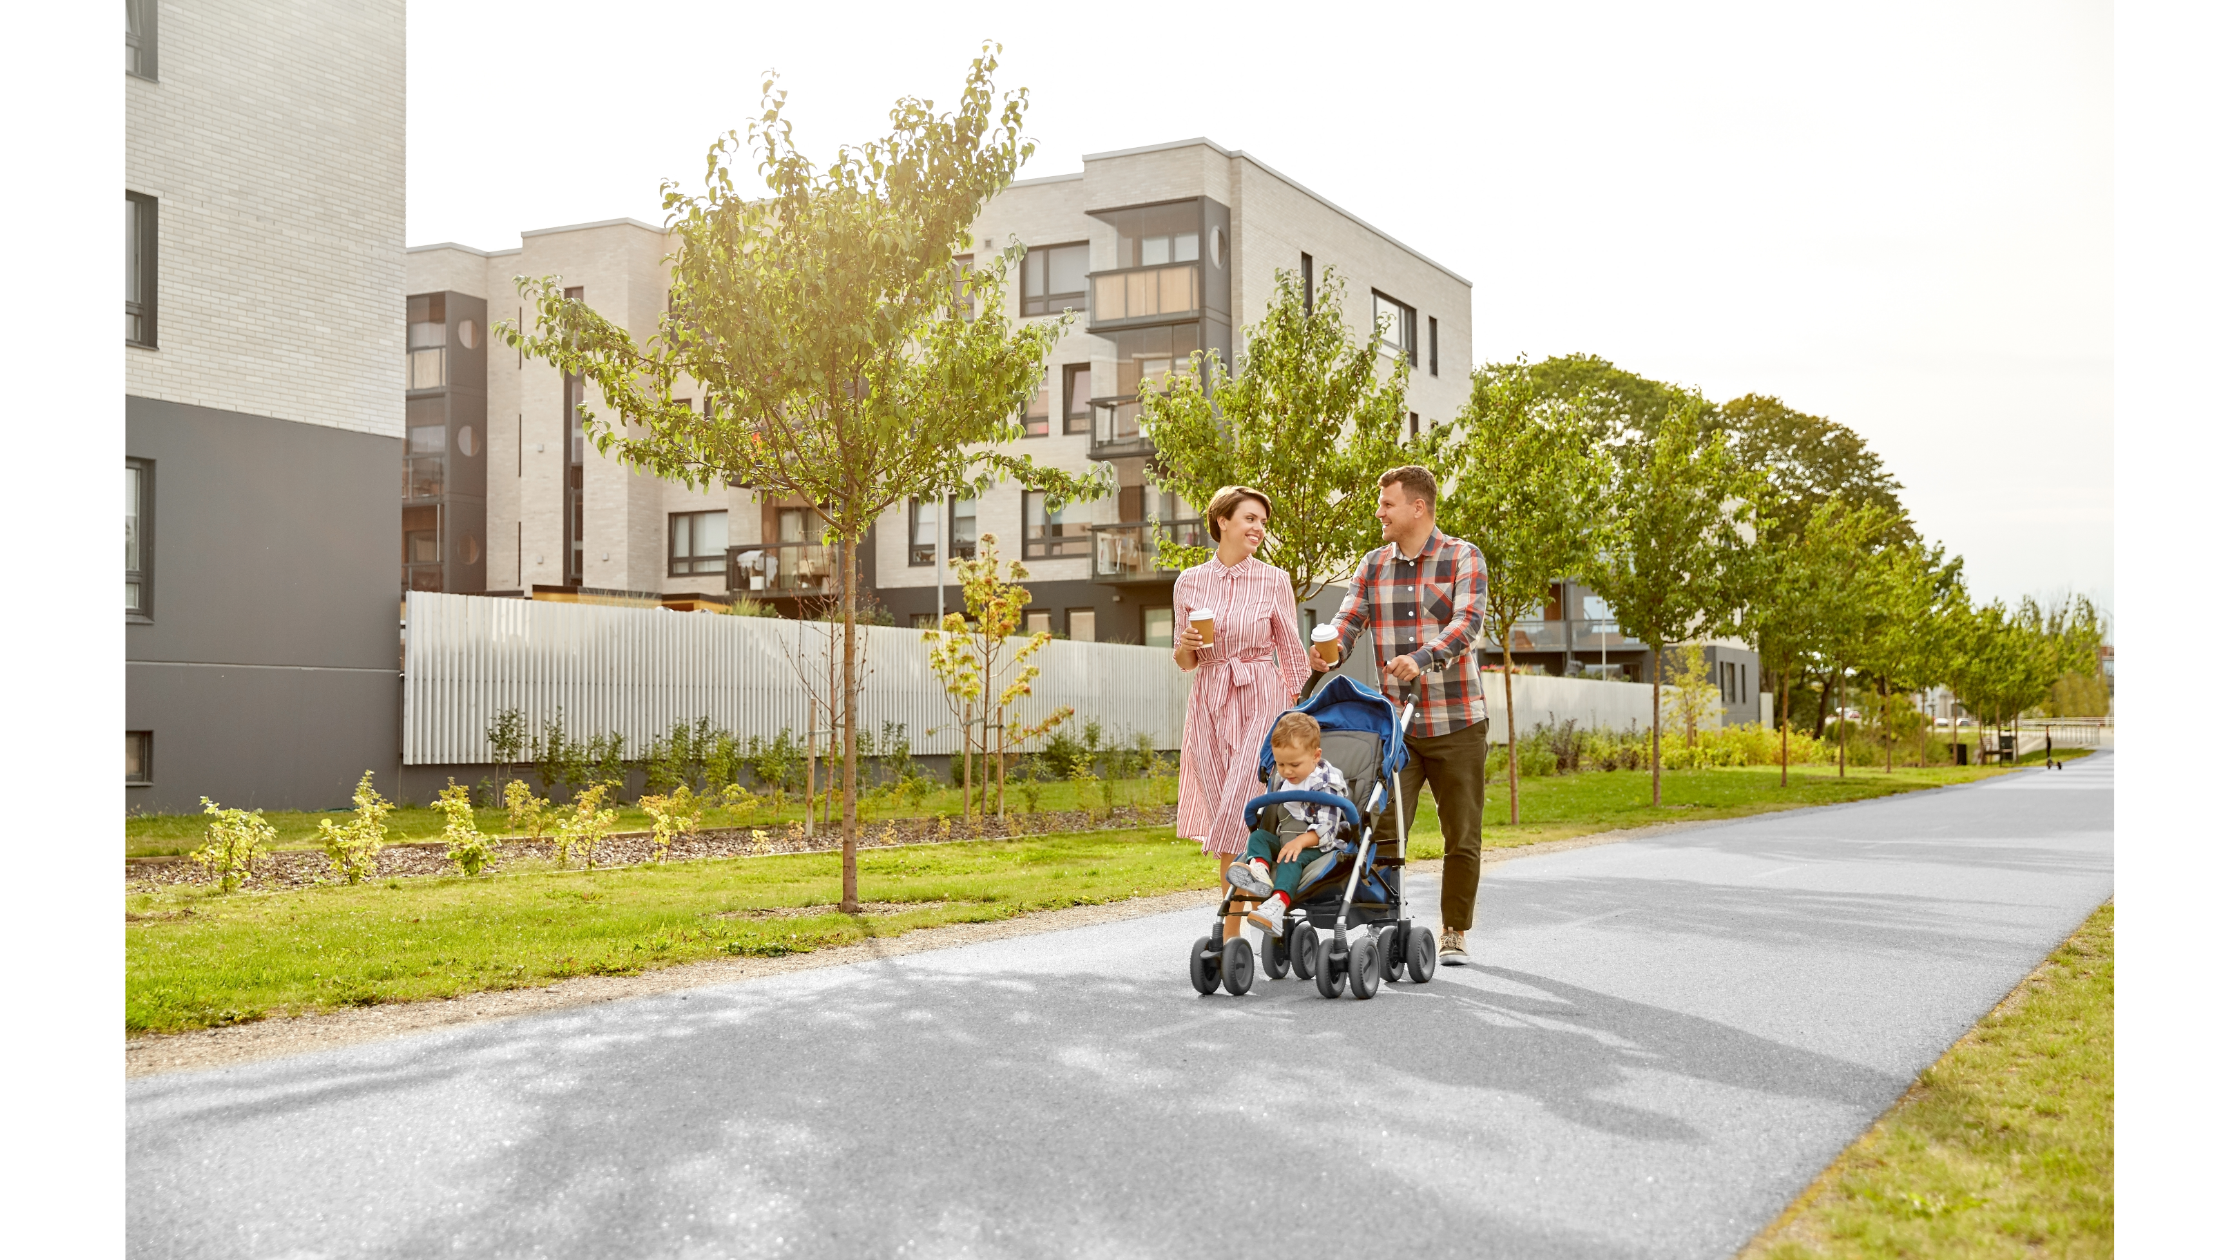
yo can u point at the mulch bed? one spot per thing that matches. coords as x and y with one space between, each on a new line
303 868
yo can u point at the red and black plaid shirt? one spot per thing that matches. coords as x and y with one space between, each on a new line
1428 608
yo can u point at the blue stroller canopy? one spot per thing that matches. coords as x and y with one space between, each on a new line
1345 705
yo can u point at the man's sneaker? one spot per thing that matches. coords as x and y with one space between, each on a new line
1251 879
1268 915
1452 952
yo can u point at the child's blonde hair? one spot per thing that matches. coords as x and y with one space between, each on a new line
1296 730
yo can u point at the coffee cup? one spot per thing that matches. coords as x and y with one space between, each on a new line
1326 643
1201 620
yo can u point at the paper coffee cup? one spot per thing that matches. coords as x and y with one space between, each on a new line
1201 620
1326 642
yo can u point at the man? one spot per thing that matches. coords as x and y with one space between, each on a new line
1422 596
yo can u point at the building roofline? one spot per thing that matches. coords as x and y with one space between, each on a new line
1049 179
464 249
1087 158
584 227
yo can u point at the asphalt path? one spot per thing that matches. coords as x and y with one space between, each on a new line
1661 1041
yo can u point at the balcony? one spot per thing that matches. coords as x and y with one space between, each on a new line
1579 637
1129 552
1115 430
1143 294
786 569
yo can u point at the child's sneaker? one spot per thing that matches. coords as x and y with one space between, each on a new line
1251 879
1268 915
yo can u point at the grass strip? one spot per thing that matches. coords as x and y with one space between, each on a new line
2006 1147
196 959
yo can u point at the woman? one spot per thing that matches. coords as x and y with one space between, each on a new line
1245 678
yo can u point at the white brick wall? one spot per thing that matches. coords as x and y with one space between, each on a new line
274 144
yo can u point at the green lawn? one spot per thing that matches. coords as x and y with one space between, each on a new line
1557 807
169 835
194 959
2005 1148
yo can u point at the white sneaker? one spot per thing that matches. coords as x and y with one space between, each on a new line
1269 915
1251 879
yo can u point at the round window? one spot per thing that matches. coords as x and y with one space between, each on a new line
467 333
470 550
467 445
1220 249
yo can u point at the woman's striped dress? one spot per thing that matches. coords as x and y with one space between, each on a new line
1240 687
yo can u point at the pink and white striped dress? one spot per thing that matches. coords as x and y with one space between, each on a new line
1240 686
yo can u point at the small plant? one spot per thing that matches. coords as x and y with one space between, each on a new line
915 788
749 606
232 844
353 846
526 812
464 844
761 840
582 826
1084 778
1030 782
675 814
508 734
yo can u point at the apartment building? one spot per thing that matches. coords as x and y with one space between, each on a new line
1158 251
264 263
1577 636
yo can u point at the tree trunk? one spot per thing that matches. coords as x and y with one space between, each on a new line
848 728
1784 726
1889 736
1840 728
1509 703
1826 688
1656 725
809 788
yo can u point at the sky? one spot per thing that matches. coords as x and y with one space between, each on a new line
1900 217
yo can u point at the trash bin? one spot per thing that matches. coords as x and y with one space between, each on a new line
2006 750
1959 754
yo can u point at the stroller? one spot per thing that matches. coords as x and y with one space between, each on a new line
1357 885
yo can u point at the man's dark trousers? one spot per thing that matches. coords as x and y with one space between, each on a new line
1455 766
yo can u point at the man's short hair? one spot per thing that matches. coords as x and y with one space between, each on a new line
1296 730
1416 480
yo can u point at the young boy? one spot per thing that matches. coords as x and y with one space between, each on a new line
1297 744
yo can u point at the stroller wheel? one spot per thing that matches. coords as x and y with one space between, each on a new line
1391 957
1330 967
1366 968
1275 956
1205 972
1305 947
1236 966
1423 955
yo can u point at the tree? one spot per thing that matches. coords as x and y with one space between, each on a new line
984 667
1306 419
1673 565
1807 460
1907 639
843 357
1529 493
1619 408
1803 601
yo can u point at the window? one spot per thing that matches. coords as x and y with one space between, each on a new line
423 548
571 435
423 448
1036 418
1434 322
697 541
1157 235
1306 282
1152 354
1396 322
1415 426
139 502
1052 534
139 758
1054 278
964 527
1076 379
425 336
140 38
1037 622
139 270
1158 627
1081 625
925 519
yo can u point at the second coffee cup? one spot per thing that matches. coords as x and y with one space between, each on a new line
1326 642
1201 620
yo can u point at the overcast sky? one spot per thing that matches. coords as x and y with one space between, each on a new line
1899 217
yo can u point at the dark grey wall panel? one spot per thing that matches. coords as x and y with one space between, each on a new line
262 738
278 540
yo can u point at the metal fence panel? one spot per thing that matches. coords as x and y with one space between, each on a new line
636 672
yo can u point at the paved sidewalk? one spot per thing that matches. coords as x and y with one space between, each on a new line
1663 1040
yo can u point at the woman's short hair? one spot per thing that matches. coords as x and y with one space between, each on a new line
1295 730
1225 502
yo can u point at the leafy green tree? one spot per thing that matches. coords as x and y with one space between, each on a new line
1674 562
843 357
1807 460
1308 418
1529 491
1908 639
986 667
1622 410
1803 610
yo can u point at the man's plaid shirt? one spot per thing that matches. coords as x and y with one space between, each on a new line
1428 608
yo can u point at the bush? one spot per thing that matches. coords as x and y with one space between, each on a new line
353 846
464 844
232 844
675 814
526 812
582 826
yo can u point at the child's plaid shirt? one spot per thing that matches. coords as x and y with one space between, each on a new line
1323 818
1428 608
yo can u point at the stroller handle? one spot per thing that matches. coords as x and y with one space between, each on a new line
1253 807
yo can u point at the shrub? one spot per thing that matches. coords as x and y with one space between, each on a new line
675 814
526 812
353 846
232 843
464 844
1062 752
582 826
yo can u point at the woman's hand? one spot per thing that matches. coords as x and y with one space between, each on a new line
1298 845
1186 645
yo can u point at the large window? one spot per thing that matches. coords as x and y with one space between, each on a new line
423 449
571 432
1158 627
423 548
964 527
139 269
1054 278
1156 235
139 758
1036 419
1081 625
425 336
1396 321
925 524
697 541
139 500
1152 354
1053 534
1076 378
140 38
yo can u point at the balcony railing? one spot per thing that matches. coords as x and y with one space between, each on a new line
1129 552
1072 540
1579 637
1116 430
1144 292
802 568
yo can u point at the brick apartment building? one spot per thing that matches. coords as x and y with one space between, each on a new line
1162 250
